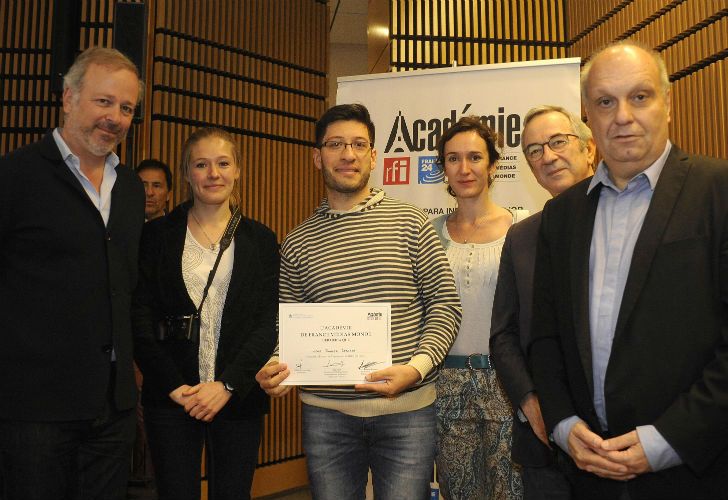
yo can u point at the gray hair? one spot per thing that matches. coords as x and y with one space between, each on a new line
577 125
109 58
656 57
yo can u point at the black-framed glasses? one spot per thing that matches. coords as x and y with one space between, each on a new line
358 147
556 143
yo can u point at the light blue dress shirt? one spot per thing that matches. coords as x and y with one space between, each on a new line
102 198
617 224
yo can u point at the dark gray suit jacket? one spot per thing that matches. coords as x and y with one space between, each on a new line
65 288
668 365
510 333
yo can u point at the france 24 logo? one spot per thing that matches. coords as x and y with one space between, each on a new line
396 170
429 172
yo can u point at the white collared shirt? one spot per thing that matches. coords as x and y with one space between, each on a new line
102 198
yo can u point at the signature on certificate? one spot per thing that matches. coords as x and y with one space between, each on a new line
368 364
331 363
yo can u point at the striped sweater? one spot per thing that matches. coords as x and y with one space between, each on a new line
382 250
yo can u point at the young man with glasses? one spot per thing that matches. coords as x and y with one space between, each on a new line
363 246
560 151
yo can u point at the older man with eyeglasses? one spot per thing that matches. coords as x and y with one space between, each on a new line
560 151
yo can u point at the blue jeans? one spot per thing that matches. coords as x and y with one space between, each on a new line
175 441
398 448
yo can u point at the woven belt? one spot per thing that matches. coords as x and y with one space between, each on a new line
475 361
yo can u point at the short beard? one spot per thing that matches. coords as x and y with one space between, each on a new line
85 136
331 183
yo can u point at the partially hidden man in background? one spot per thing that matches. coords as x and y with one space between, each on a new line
559 148
630 313
70 222
363 246
157 179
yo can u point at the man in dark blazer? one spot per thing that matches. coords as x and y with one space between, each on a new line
70 222
630 325
559 148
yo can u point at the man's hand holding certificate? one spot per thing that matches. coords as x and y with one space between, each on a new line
334 344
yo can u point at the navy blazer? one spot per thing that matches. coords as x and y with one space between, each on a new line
510 334
65 288
669 360
248 331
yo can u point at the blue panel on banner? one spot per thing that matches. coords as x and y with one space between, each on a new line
428 171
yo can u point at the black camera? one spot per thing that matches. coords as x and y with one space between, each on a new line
176 328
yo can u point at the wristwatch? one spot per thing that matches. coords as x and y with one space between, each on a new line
228 387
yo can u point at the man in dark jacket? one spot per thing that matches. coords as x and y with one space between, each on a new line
70 222
560 151
630 314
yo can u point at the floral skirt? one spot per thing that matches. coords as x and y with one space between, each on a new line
474 422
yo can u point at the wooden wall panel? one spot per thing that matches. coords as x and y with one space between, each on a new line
436 33
692 35
27 109
244 75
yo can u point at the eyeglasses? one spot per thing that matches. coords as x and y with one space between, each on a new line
358 147
556 143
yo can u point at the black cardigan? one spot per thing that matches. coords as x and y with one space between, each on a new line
66 282
248 331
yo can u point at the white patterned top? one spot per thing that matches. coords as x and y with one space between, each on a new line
475 267
197 262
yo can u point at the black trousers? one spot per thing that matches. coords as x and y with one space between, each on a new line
76 460
545 483
175 441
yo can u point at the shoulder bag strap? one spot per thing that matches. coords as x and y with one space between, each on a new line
227 238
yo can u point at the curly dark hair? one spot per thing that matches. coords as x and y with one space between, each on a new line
493 141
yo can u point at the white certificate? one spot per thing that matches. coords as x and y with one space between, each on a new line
334 344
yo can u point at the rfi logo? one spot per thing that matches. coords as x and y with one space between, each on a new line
429 171
396 170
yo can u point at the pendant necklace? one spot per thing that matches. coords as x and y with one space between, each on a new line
213 245
476 226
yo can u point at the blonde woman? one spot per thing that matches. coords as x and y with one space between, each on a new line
200 339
